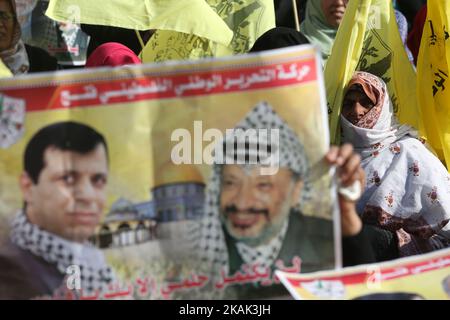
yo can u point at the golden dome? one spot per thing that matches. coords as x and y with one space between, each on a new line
170 173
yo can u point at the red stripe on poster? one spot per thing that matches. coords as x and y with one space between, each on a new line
180 85
374 273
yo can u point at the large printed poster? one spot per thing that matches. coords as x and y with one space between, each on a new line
418 277
186 180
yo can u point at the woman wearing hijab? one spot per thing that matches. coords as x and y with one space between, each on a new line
322 19
407 188
17 56
12 49
112 54
104 34
357 238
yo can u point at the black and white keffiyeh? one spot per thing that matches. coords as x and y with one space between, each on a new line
94 271
263 256
291 154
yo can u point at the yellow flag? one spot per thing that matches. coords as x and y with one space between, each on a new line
248 19
4 71
433 86
368 40
188 16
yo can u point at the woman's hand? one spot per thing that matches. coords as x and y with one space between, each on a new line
349 171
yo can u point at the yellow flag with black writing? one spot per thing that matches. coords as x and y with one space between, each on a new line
248 19
432 77
368 40
187 16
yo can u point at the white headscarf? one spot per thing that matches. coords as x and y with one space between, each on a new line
407 189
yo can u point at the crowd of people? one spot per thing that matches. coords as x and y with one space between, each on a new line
403 208
391 154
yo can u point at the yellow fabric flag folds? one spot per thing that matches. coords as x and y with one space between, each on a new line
188 16
432 77
368 40
248 19
4 71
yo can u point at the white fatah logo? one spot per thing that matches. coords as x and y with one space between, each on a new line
326 289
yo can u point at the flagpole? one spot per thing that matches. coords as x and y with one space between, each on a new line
297 23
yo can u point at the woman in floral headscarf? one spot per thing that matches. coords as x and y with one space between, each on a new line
12 49
407 189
